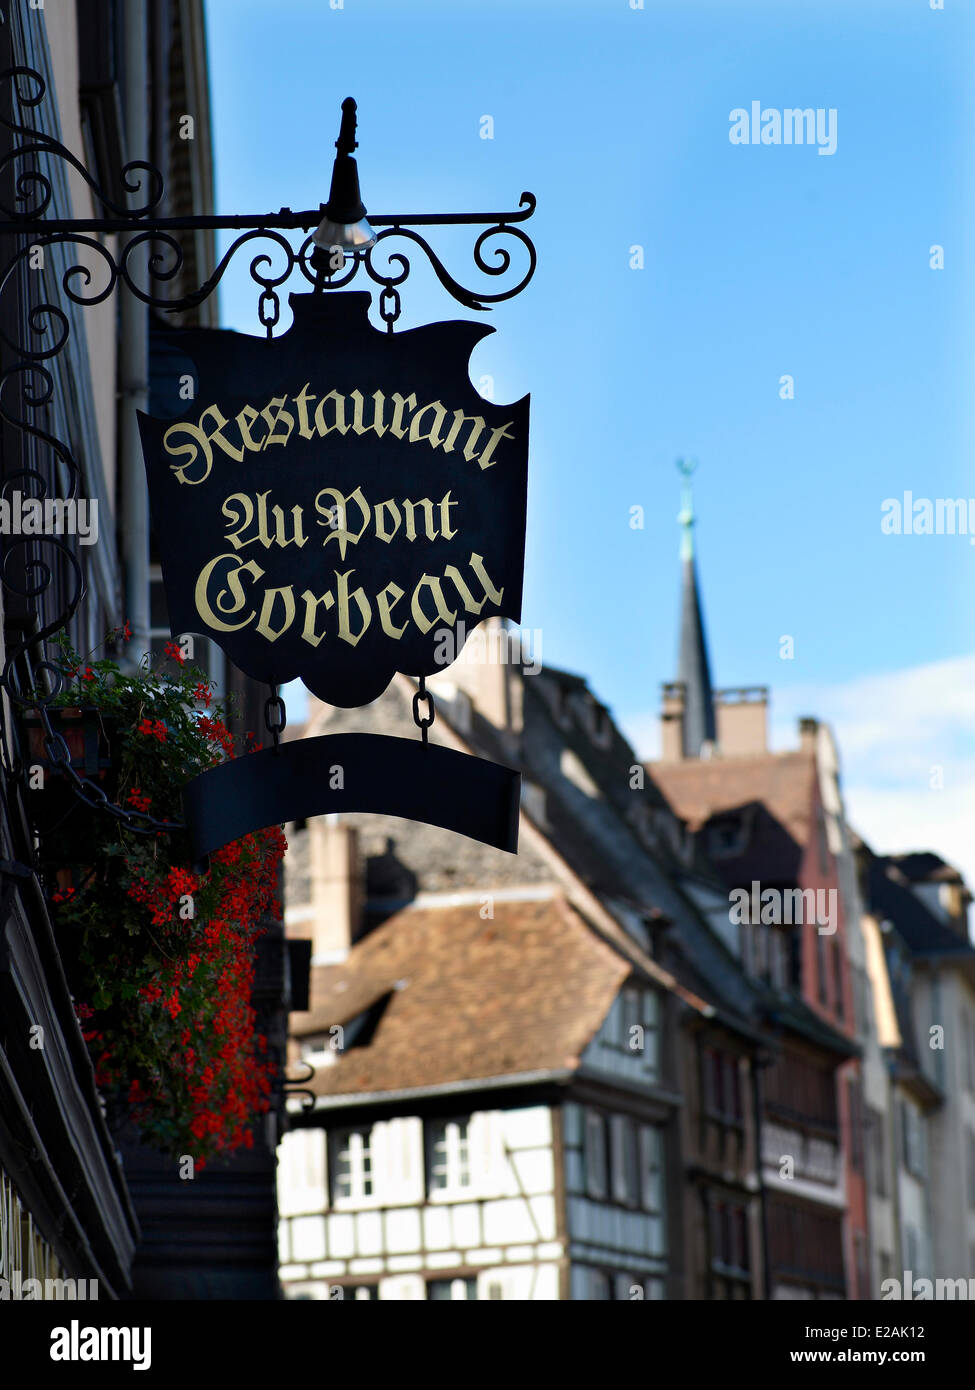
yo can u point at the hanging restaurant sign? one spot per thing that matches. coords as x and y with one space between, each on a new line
339 504
336 503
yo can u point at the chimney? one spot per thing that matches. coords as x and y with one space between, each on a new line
672 723
742 715
808 734
336 889
489 671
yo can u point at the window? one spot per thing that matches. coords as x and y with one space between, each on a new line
855 1105
779 962
632 1015
453 1289
595 1154
639 1019
838 1000
352 1169
799 1089
449 1156
730 1253
722 1087
726 837
823 983
625 1160
651 1168
912 1140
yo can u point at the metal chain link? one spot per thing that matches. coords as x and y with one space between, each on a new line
274 705
423 723
269 319
389 315
59 755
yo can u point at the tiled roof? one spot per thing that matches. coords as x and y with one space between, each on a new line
699 788
774 790
469 998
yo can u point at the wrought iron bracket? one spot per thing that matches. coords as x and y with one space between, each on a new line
147 258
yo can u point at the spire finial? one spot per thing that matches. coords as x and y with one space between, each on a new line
685 516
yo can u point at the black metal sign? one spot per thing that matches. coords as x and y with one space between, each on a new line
334 503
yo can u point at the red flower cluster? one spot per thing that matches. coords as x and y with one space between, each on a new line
216 732
198 1000
173 650
164 958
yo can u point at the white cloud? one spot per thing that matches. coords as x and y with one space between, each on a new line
893 731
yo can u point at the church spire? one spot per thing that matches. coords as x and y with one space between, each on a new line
693 669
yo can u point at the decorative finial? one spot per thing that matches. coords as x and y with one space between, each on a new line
685 516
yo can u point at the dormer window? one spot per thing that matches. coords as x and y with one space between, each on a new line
726 837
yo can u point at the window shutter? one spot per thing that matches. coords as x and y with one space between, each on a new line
301 1171
409 1146
617 1155
651 1167
490 1173
595 1154
404 1149
385 1179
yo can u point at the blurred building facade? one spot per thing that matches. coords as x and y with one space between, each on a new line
765 1117
117 82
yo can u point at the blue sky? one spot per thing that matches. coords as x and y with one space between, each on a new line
760 261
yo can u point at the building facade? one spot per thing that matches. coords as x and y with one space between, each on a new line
108 83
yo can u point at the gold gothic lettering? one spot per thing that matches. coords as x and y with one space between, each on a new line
194 444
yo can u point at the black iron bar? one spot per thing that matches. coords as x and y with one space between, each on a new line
285 220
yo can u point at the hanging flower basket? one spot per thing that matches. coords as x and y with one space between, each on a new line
160 960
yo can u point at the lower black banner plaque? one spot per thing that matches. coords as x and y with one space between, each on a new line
353 772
